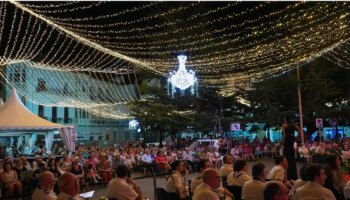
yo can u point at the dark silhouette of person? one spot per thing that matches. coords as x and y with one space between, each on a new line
288 129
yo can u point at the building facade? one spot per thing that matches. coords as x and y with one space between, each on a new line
64 97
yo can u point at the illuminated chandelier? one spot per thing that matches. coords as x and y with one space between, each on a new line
182 79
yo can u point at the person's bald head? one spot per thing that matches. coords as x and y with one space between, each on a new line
211 177
47 180
275 190
69 184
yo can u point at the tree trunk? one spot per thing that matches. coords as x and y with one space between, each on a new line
161 137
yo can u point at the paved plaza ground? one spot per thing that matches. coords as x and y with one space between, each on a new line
146 184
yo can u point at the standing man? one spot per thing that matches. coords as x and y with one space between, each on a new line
68 185
288 129
45 189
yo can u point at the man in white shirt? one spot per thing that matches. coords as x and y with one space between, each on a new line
211 181
218 143
278 172
174 183
147 161
122 187
239 175
45 189
314 189
198 177
227 168
146 157
253 189
188 157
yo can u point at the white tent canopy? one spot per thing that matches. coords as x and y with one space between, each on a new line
14 116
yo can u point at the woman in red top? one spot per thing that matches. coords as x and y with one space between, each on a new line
162 161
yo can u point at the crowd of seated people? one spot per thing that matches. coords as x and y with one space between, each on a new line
97 164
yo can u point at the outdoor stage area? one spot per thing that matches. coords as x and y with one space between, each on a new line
146 184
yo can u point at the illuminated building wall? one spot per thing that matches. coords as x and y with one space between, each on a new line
33 82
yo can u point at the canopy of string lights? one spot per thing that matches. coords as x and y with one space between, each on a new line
225 42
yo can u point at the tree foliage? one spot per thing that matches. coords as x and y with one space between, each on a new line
324 88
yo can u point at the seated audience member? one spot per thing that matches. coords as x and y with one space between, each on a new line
122 187
69 188
202 154
258 151
345 152
92 160
175 182
198 177
213 156
253 189
65 163
11 181
314 189
249 151
227 168
279 171
147 160
347 190
20 170
303 178
161 161
211 181
93 175
312 148
78 171
37 160
321 149
239 175
104 169
117 161
275 190
187 155
334 180
304 152
266 151
26 164
35 176
235 152
44 190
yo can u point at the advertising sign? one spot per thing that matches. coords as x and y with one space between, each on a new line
235 127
